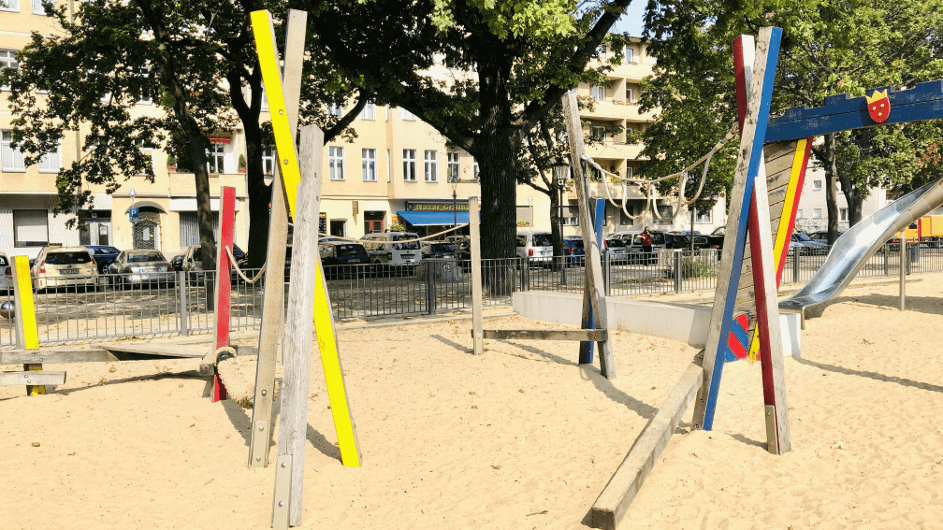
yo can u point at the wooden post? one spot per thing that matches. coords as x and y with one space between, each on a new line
274 293
227 225
478 341
728 278
27 332
903 270
593 265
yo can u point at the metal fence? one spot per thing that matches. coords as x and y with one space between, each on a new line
182 303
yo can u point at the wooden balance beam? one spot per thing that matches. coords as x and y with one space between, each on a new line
594 335
618 494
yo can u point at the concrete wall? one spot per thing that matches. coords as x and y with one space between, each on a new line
681 322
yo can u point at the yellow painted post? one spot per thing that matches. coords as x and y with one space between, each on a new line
291 176
27 333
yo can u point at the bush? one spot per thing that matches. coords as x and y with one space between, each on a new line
697 268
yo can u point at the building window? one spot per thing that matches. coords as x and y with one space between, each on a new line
369 112
629 55
335 160
702 217
409 165
454 166
9 5
146 151
476 169
664 210
30 228
39 6
799 214
599 93
600 52
368 164
629 172
389 166
8 58
571 215
599 134
630 95
216 158
431 165
816 184
335 110
268 160
264 99
843 214
12 158
405 115
816 213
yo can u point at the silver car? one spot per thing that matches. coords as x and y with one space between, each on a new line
64 267
139 267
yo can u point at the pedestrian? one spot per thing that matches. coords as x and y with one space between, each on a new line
646 237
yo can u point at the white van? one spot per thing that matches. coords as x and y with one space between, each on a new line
535 245
386 252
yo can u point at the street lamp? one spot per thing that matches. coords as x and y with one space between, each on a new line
453 179
561 172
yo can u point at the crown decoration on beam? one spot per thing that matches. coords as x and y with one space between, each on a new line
879 106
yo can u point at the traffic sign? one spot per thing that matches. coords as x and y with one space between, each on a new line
133 214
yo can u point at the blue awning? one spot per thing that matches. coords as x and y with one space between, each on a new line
434 218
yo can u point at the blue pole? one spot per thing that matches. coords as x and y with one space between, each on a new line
599 220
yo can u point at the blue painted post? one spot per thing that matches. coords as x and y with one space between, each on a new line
599 221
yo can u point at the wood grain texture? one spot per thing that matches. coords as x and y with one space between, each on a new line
274 298
547 334
32 378
478 344
299 326
593 256
617 496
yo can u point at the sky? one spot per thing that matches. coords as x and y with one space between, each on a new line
633 20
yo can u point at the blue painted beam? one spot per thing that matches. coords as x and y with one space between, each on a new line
599 220
841 113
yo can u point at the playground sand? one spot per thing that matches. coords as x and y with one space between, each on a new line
520 437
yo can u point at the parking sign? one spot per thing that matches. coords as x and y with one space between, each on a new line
133 214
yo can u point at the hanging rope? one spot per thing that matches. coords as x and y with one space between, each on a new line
235 265
647 186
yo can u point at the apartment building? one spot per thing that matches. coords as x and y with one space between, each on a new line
398 171
812 213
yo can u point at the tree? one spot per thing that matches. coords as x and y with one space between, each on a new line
500 69
194 60
829 47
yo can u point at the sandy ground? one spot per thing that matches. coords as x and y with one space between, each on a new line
520 437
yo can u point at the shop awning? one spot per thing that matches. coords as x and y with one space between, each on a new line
434 218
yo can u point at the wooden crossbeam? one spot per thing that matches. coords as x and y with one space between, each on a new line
32 378
594 335
109 353
612 503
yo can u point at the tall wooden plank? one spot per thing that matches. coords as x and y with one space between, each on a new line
27 332
593 264
751 152
227 225
478 340
274 293
297 338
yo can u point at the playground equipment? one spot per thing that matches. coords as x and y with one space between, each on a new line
594 318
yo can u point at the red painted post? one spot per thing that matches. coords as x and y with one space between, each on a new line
227 225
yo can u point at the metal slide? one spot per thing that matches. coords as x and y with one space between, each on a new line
852 250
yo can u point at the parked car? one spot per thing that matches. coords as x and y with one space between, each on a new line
716 238
343 259
393 249
6 274
681 239
140 267
104 255
535 245
64 267
177 262
437 249
616 250
575 251
192 262
805 246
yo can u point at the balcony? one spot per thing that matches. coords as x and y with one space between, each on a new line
619 109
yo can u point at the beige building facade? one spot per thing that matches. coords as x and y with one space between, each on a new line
398 171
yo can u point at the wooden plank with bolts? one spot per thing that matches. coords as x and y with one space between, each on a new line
56 356
594 335
32 378
751 147
574 130
617 496
27 331
274 298
478 344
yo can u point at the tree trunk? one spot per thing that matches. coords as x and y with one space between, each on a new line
855 200
831 178
497 160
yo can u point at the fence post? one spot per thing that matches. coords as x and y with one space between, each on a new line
795 265
679 262
886 250
607 275
526 273
563 270
430 286
184 306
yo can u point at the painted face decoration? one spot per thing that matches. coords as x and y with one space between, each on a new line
879 106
